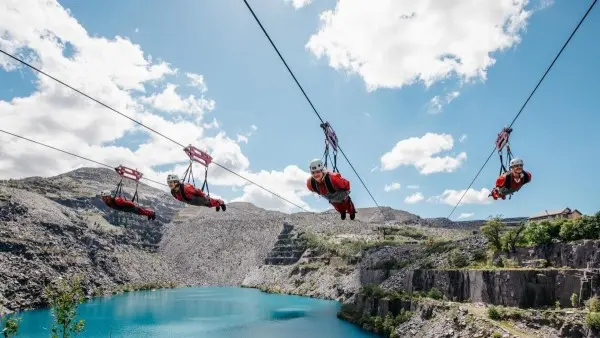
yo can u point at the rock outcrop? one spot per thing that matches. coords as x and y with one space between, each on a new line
41 240
518 288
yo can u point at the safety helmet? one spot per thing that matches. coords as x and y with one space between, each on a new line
516 161
105 193
316 165
172 178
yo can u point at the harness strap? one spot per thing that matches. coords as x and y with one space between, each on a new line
182 191
328 185
205 184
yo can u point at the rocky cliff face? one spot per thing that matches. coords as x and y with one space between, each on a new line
41 240
580 254
517 288
58 225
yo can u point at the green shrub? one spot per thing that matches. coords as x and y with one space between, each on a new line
457 259
574 300
592 320
594 304
435 294
494 313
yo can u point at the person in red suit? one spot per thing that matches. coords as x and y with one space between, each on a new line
122 204
333 187
189 194
510 182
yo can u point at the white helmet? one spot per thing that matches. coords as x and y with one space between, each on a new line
105 193
516 161
316 164
172 178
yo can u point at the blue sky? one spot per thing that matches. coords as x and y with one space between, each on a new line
555 135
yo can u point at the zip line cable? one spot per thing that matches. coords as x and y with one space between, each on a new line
309 101
529 98
93 161
143 125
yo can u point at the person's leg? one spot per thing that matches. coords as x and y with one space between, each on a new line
341 208
146 212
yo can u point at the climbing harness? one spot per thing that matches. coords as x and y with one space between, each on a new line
502 141
131 174
330 140
199 156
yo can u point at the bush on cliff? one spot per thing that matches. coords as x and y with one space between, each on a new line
546 232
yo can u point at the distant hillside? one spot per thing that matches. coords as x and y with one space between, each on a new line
443 222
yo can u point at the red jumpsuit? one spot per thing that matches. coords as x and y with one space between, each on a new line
121 204
340 199
195 196
506 184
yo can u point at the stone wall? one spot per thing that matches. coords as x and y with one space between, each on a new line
522 288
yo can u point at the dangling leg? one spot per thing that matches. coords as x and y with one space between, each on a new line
341 208
218 204
351 209
146 212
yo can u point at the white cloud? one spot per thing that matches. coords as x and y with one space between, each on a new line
391 44
451 197
212 125
299 3
412 186
462 138
392 187
39 31
465 215
254 127
292 186
437 102
420 151
242 138
367 114
374 168
169 101
137 30
197 81
414 198
545 4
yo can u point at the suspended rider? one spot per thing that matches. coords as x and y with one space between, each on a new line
188 193
120 203
331 186
510 182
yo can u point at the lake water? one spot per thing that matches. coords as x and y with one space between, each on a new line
215 312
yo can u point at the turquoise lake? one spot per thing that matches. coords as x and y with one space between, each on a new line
215 312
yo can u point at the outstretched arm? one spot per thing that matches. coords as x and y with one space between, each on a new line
527 175
308 185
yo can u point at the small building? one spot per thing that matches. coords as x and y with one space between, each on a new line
556 214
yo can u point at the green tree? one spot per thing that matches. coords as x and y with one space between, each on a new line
491 231
64 298
9 325
512 238
542 232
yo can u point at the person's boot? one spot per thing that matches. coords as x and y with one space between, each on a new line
224 207
352 209
343 215
218 208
